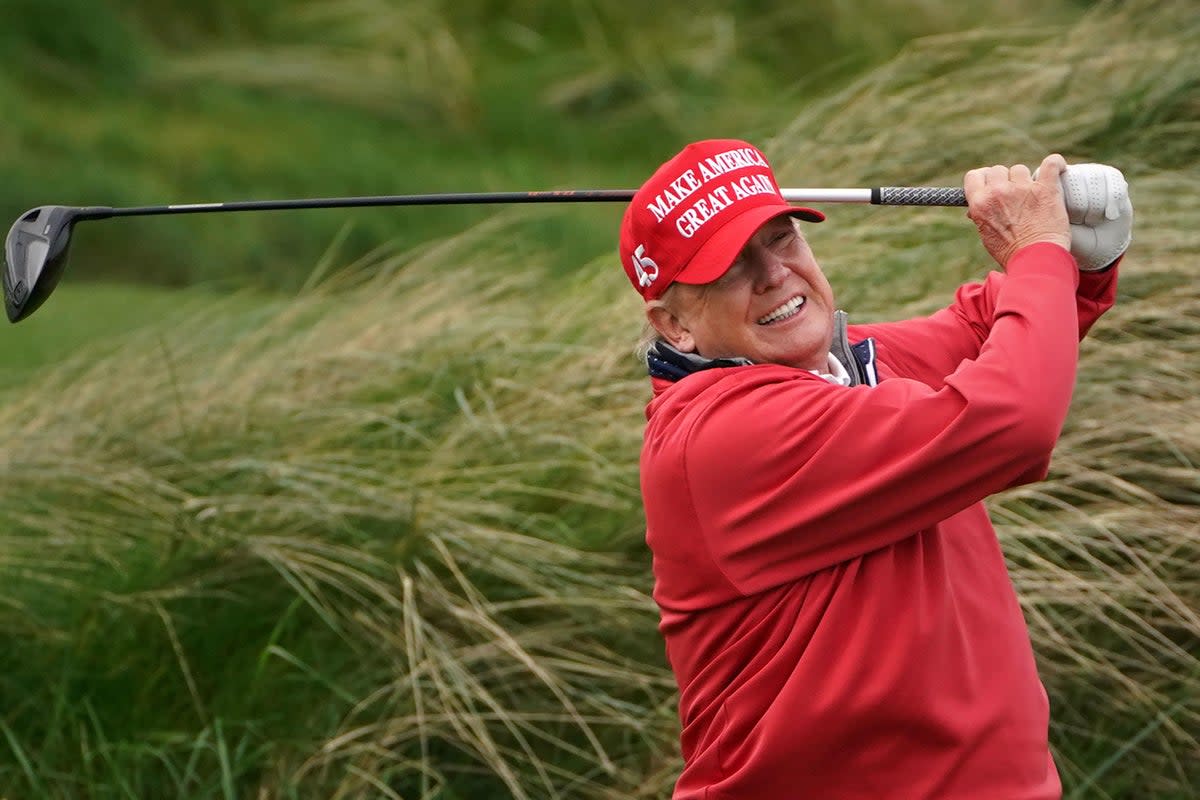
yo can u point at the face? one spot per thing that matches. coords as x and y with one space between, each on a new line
773 305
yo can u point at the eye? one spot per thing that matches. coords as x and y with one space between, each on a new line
783 235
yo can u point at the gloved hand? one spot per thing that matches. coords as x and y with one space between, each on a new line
1100 212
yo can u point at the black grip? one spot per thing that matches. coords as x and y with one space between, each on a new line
920 196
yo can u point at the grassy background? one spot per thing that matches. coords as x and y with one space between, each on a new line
149 103
345 505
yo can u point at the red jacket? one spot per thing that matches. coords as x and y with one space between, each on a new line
834 601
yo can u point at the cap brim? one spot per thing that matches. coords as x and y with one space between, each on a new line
717 254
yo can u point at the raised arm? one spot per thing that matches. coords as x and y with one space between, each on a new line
788 474
1100 213
929 348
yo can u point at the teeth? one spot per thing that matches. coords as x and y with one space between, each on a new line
784 311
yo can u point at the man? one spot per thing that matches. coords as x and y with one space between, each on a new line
835 605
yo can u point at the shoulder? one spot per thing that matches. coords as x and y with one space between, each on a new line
732 404
702 389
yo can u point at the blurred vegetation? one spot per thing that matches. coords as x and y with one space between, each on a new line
379 535
109 103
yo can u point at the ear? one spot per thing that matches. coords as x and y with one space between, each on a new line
670 326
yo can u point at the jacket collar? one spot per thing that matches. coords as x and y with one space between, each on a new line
665 362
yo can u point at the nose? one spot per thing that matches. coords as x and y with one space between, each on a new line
772 271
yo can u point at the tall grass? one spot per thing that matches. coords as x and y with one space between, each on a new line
307 539
384 540
153 102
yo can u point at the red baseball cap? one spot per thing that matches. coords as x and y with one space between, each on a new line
694 215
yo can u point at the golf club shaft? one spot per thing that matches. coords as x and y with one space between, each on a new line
886 195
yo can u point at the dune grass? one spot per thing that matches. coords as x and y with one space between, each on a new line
93 316
384 539
313 545
161 101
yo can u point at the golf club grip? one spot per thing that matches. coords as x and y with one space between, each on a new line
918 196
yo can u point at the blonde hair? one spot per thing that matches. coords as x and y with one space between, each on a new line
645 343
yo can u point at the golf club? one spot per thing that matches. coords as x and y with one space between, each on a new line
35 251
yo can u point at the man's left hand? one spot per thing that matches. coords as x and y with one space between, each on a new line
1100 212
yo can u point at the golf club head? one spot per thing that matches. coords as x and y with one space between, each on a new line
35 255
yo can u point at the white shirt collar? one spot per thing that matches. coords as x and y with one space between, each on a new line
837 372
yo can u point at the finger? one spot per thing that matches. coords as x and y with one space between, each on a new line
1052 166
1085 191
997 173
973 182
1097 197
1020 172
1118 194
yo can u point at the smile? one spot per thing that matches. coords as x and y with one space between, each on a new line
788 309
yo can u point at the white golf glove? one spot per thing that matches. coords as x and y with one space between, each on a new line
1100 212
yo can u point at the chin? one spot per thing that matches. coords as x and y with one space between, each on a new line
807 357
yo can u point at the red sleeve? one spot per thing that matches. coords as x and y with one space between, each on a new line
930 348
789 475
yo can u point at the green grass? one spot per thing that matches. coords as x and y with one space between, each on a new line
86 321
153 103
283 583
380 536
